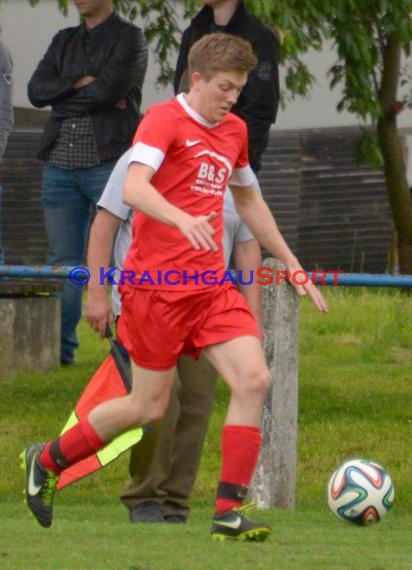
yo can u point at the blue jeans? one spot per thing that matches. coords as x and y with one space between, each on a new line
69 198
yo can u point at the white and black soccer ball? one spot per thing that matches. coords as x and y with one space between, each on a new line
360 492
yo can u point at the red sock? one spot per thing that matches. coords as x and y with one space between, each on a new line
240 452
77 443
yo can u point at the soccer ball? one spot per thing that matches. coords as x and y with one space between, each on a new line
360 492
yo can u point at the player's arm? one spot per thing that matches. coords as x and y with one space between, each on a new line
98 309
257 216
141 195
247 258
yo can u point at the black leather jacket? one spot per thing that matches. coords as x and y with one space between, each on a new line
258 103
115 53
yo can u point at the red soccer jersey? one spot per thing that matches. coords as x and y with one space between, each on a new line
193 162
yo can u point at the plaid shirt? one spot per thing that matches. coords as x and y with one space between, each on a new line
75 146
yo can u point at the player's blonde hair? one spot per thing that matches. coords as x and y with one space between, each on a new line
215 53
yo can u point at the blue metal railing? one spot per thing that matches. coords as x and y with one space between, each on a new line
367 280
333 278
31 271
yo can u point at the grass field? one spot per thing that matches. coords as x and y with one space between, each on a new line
355 399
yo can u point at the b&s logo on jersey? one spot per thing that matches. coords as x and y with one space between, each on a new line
212 176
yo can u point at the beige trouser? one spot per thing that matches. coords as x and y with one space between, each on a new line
164 464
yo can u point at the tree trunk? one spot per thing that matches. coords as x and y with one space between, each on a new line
394 164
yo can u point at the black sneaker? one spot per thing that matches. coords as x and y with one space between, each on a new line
40 485
147 512
235 525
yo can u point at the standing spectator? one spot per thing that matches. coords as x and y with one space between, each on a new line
6 111
91 76
162 471
258 103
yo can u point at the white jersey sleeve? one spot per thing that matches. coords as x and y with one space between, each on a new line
112 196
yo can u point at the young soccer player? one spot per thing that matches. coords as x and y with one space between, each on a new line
177 299
162 470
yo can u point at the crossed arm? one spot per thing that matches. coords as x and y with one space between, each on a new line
68 95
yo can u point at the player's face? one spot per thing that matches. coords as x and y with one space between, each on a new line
218 95
90 8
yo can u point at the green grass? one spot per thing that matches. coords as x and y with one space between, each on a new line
98 536
355 399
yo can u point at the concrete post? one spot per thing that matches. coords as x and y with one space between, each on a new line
274 482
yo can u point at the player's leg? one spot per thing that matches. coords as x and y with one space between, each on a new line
242 364
145 404
43 463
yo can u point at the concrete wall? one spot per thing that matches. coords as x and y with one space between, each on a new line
30 331
28 32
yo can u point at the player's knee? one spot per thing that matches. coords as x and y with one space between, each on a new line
151 413
257 383
155 414
137 415
263 380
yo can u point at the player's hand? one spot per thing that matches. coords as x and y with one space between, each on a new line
302 288
99 314
199 231
316 296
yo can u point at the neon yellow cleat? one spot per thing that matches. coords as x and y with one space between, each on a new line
40 485
235 525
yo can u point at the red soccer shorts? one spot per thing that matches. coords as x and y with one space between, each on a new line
157 326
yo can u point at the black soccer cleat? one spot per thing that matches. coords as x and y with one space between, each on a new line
235 525
40 485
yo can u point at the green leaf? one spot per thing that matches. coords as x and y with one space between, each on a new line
369 151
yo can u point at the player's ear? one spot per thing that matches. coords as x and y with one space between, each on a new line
196 79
